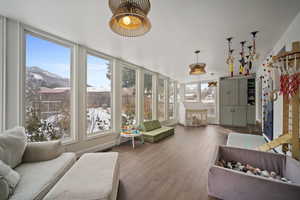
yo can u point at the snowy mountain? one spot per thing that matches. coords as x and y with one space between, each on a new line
45 78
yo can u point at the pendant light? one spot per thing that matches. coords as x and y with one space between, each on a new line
197 68
130 17
255 55
230 58
212 84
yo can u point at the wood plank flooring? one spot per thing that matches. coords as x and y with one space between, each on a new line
173 169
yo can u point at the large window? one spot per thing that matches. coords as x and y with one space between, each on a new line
128 96
171 100
191 92
208 94
208 97
148 96
161 99
98 95
47 89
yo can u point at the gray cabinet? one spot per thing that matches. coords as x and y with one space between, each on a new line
242 93
239 116
234 116
234 107
228 90
251 114
227 115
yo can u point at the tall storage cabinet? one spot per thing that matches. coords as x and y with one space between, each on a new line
236 104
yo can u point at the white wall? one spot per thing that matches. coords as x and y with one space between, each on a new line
291 34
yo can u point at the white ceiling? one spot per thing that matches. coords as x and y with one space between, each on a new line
178 28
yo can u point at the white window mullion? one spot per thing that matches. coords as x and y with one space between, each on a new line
155 97
140 95
117 96
81 87
2 72
166 99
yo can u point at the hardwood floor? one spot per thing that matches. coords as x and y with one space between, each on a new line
173 169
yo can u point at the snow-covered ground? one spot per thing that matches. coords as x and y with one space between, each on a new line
98 119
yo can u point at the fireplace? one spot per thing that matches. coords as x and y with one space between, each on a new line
196 117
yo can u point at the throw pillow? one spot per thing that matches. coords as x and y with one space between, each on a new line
147 126
10 176
12 146
42 151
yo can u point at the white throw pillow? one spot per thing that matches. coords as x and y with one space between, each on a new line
12 146
10 176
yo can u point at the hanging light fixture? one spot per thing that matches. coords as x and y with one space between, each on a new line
197 68
130 17
212 84
230 58
255 55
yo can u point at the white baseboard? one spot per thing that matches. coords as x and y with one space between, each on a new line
96 148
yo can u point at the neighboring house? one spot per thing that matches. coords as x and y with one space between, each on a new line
53 100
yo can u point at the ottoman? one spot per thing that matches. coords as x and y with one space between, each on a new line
245 141
95 176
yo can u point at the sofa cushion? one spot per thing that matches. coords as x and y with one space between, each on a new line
11 176
42 151
147 126
4 188
158 131
39 177
156 124
93 177
12 146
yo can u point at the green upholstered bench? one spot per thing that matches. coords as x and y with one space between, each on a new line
154 132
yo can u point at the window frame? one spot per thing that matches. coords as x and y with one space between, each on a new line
2 72
24 30
205 82
137 78
153 94
198 92
166 99
108 58
174 98
215 104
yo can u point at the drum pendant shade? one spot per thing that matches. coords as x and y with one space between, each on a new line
130 17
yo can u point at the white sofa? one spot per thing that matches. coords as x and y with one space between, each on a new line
37 178
44 166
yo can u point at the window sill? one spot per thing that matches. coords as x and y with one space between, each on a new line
196 101
69 141
200 102
99 135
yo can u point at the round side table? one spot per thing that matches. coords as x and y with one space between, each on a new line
132 136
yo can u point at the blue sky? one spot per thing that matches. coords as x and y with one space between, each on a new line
56 59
